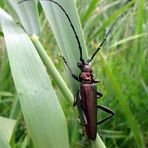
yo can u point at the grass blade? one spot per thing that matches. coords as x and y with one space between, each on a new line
44 117
89 10
124 105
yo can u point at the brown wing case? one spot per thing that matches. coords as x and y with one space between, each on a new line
89 102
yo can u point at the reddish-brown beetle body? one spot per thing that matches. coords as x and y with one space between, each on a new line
88 94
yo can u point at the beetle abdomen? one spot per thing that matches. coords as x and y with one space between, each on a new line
89 102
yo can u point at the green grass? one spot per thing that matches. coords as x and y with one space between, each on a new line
121 66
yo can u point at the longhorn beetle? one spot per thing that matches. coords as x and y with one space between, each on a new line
87 94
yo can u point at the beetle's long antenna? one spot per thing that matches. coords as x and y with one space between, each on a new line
76 36
109 31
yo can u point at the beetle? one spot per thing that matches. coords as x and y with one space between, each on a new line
87 94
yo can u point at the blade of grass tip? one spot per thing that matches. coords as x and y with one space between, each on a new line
127 39
52 70
90 9
42 112
16 109
3 142
124 105
98 143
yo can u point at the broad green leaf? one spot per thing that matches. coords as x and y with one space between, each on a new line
43 114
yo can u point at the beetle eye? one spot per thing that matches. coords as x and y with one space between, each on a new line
80 65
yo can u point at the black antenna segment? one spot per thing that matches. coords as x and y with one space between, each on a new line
109 31
78 41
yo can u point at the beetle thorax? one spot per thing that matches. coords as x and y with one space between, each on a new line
86 73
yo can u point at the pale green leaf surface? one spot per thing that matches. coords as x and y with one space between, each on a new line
7 127
44 117
28 14
3 142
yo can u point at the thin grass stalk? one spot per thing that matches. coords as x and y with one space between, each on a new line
42 112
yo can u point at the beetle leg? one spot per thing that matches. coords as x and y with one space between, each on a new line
99 95
73 75
77 101
76 98
82 116
107 110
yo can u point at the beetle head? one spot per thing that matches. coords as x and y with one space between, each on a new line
85 67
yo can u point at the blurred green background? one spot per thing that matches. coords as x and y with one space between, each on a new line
124 77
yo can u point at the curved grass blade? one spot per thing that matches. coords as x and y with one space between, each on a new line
129 39
43 114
